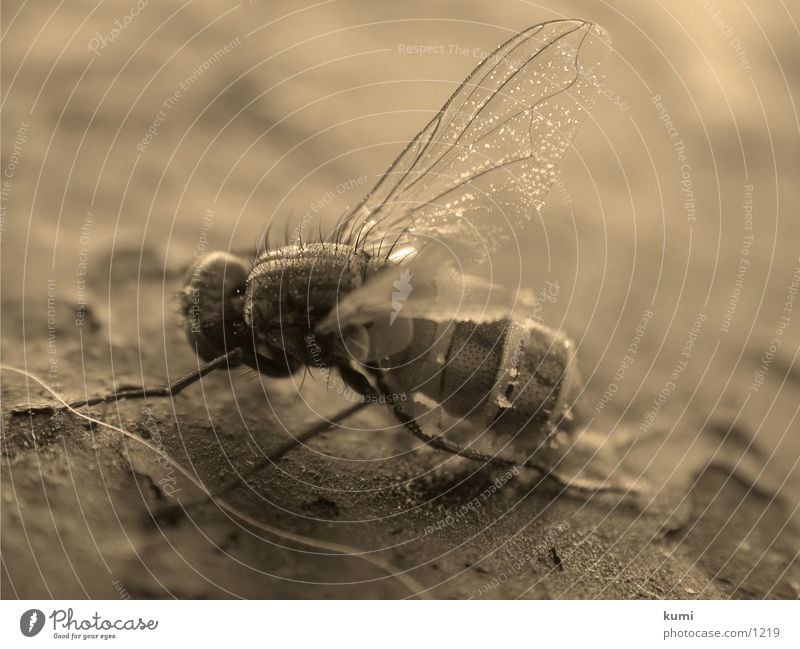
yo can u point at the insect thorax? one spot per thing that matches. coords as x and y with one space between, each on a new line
290 289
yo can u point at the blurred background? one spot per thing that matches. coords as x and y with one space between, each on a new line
135 135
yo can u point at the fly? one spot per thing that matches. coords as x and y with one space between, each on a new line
397 300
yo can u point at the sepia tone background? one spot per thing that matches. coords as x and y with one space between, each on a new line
128 129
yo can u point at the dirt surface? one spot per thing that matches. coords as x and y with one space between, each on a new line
81 514
101 222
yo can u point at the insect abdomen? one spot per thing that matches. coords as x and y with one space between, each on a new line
512 376
538 380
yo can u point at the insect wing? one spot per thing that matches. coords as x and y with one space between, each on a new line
425 284
482 167
472 177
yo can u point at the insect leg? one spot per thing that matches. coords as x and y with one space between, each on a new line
547 473
286 447
231 358
354 379
360 383
357 382
171 511
441 443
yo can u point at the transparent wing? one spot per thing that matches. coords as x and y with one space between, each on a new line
425 284
482 167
